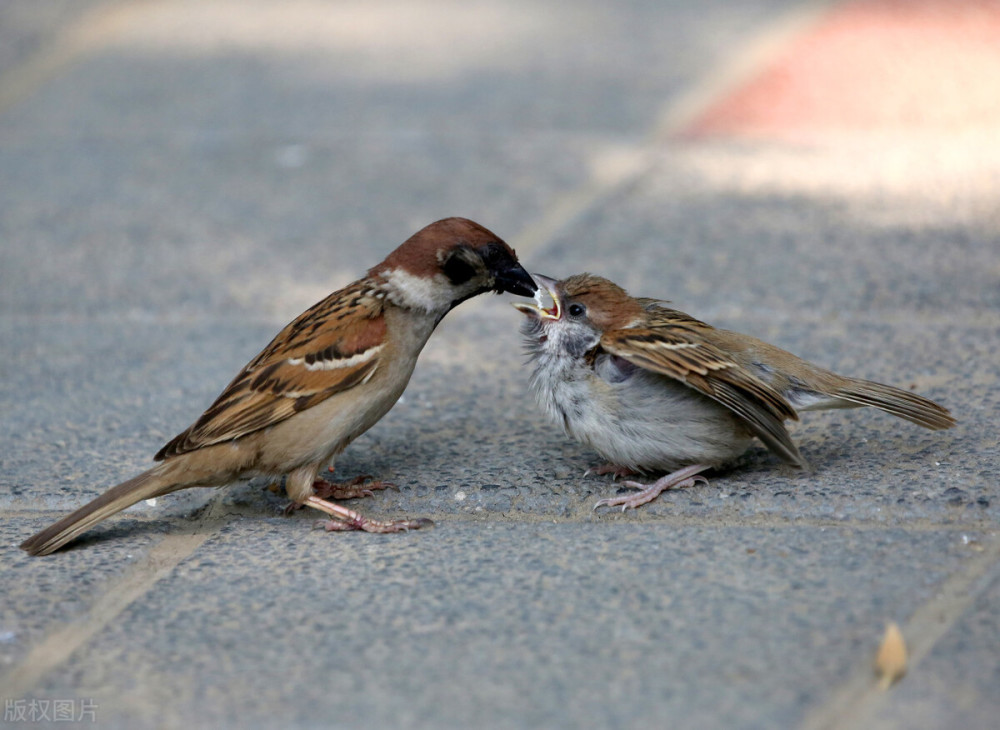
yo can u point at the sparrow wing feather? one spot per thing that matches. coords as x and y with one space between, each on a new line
673 346
331 347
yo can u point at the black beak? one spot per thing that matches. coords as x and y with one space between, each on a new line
514 279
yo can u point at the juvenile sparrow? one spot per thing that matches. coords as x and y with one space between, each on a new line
326 378
653 389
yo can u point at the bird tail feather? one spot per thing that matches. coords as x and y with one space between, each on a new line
915 408
157 481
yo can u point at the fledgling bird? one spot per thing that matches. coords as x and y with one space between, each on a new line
325 379
652 389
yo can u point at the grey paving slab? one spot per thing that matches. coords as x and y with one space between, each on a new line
208 170
439 66
895 227
957 682
203 156
89 402
134 228
35 603
513 624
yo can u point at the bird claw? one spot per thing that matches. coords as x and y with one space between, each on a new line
686 477
332 526
348 519
351 489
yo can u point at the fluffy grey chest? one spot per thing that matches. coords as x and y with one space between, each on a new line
569 393
635 418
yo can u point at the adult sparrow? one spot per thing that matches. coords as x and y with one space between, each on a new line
653 389
326 378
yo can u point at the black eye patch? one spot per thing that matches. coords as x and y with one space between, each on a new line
492 253
457 269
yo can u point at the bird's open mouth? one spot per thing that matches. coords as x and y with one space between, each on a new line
537 308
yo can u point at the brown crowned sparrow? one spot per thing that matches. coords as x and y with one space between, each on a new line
325 379
653 389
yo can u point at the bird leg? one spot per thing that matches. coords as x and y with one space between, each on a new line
348 519
349 490
616 471
342 490
686 477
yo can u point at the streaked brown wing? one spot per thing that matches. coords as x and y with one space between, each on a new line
331 347
673 347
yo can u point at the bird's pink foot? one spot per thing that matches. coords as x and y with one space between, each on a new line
686 477
352 489
616 471
348 519
358 487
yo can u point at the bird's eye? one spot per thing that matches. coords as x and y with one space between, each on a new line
576 310
457 269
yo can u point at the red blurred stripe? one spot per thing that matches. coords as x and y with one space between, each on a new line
877 65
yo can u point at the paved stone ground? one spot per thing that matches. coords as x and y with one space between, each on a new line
178 179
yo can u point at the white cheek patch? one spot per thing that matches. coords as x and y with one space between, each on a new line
432 294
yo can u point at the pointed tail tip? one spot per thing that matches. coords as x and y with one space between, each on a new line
945 420
150 483
37 547
900 403
936 416
47 541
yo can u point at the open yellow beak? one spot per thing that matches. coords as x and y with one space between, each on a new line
536 309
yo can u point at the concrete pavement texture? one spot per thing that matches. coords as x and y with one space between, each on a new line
179 179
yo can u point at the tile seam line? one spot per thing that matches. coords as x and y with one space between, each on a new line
928 624
223 516
88 34
115 597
